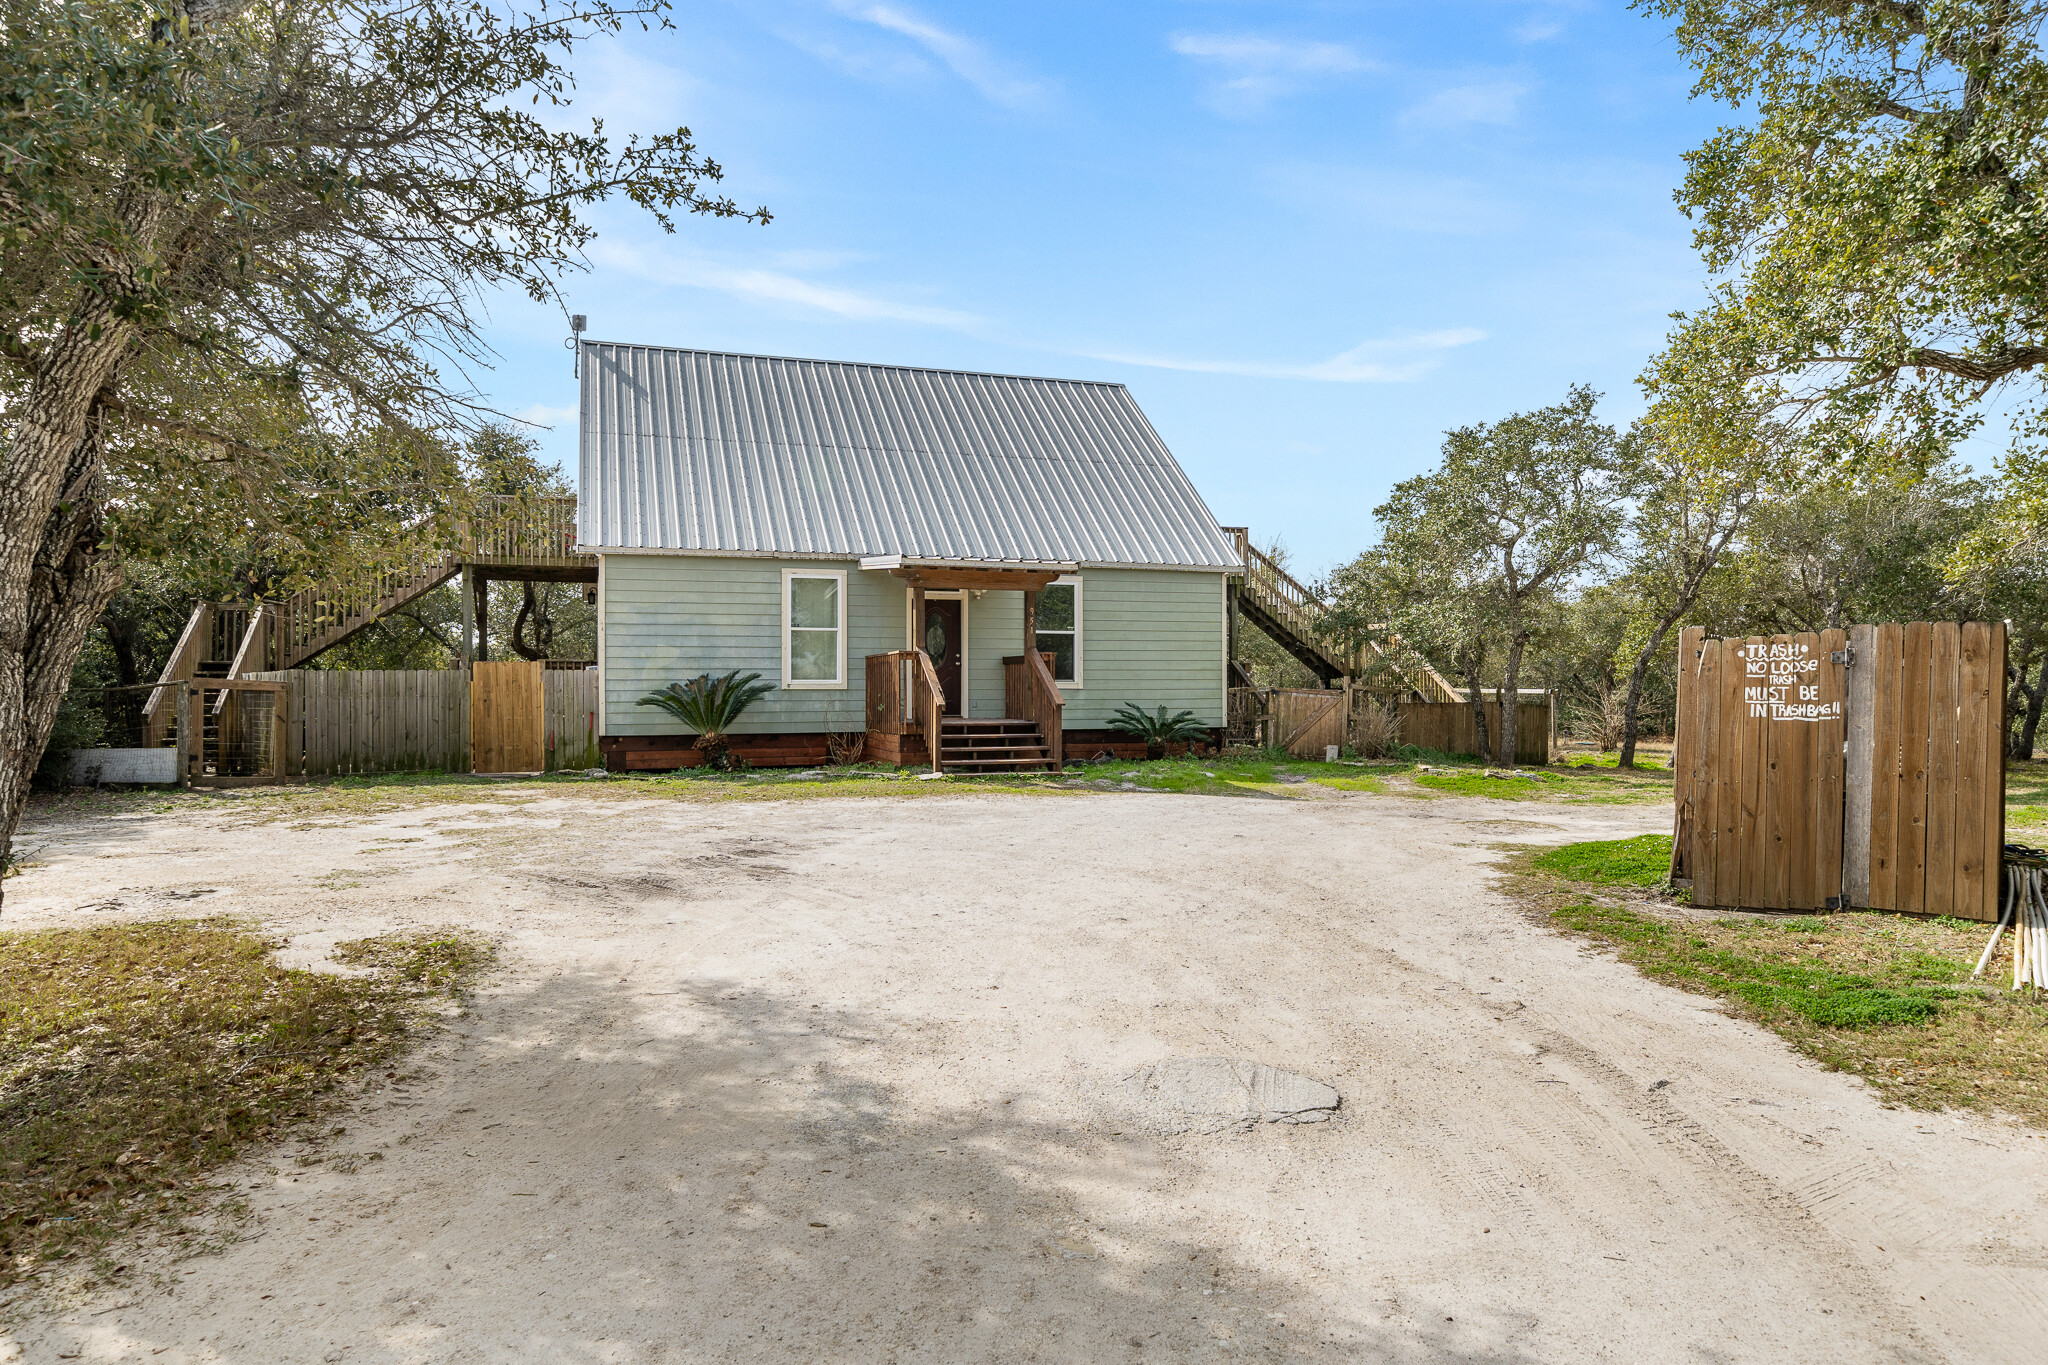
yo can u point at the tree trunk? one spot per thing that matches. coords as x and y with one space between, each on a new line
543 631
1636 675
46 614
2021 746
1511 701
55 578
1476 698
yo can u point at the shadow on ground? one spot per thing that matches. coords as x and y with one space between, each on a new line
598 1170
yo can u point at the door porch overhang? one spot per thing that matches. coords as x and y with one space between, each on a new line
943 575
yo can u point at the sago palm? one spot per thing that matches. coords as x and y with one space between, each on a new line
710 707
1157 729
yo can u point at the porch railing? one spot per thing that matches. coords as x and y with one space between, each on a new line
1030 693
905 697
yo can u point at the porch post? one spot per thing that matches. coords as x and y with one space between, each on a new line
1030 623
917 616
483 617
468 597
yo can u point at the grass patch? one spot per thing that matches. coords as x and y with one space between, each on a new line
137 1058
1586 784
2026 800
1888 998
1646 762
1642 861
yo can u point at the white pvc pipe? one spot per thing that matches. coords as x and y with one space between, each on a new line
2006 912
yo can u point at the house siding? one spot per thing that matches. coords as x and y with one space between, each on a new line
1154 637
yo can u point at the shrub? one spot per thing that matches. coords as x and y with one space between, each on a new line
1157 730
1376 729
710 707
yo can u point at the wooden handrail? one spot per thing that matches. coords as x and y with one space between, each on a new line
930 695
182 664
1299 612
1031 693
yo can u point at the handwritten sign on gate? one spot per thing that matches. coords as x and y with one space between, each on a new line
1787 682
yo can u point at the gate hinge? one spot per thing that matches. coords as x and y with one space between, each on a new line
1836 903
1844 657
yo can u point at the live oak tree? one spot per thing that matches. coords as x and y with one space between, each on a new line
1696 487
1428 587
1878 222
243 245
1530 502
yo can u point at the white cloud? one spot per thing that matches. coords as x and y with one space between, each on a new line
969 60
541 415
1458 105
777 286
1538 30
1392 360
1266 68
1268 54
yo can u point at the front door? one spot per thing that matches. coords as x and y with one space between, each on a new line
942 640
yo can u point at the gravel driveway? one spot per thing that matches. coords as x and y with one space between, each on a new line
848 1080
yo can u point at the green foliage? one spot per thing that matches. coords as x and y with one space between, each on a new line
294 305
1772 989
1876 219
1642 861
1157 727
710 706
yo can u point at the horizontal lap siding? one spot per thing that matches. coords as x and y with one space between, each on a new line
1154 637
669 618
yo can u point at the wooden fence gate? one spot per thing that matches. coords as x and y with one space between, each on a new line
1812 770
507 717
1307 721
1926 807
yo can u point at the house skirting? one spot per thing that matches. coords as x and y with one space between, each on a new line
665 753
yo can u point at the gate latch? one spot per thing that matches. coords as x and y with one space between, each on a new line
1843 657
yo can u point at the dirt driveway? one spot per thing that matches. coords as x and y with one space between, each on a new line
839 1080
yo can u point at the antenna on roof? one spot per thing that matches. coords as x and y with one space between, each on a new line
578 322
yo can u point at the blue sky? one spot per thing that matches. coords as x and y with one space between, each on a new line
1309 236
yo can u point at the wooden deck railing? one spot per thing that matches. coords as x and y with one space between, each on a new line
1030 693
905 697
524 531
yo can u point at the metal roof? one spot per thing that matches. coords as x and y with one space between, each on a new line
740 454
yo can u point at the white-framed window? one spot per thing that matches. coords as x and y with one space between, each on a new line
813 628
1059 628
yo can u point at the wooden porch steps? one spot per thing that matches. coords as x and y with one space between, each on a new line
971 746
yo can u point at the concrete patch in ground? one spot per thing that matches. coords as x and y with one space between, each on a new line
1212 1094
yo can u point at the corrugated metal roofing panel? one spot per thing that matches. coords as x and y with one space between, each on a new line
740 454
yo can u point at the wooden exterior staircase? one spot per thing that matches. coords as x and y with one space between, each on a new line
1274 601
510 538
991 746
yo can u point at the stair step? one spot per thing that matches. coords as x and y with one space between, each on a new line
1030 753
1040 762
965 723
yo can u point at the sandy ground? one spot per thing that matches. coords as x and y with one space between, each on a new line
835 1080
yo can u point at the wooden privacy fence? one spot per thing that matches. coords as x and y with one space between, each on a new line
338 722
1304 721
1925 817
1823 769
1449 728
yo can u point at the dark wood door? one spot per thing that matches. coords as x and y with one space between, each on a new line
942 639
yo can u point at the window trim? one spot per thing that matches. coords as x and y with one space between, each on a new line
1072 580
838 684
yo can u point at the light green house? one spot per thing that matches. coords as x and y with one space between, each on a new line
879 542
